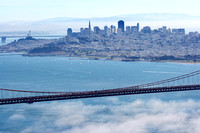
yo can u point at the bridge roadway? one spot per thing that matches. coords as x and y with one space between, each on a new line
98 93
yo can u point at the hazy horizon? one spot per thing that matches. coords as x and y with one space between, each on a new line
37 15
38 10
105 17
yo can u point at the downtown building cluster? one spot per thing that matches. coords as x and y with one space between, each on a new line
132 41
121 30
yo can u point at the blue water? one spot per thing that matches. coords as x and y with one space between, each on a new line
76 74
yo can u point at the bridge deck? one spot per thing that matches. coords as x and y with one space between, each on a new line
99 93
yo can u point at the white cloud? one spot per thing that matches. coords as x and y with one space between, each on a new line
138 116
71 120
16 117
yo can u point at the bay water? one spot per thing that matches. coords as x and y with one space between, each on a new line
163 112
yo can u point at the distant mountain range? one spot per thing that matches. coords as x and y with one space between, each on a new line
62 23
130 17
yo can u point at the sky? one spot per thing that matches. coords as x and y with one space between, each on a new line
12 10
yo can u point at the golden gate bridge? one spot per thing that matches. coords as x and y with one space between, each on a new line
186 82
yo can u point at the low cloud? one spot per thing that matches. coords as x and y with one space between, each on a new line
139 116
16 117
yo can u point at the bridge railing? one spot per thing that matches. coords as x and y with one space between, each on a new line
10 93
186 79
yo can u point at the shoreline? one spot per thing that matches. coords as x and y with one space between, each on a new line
178 62
103 58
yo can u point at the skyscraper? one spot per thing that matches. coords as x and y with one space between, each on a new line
96 30
164 29
89 29
134 29
69 32
121 25
113 29
138 27
106 31
128 29
146 29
